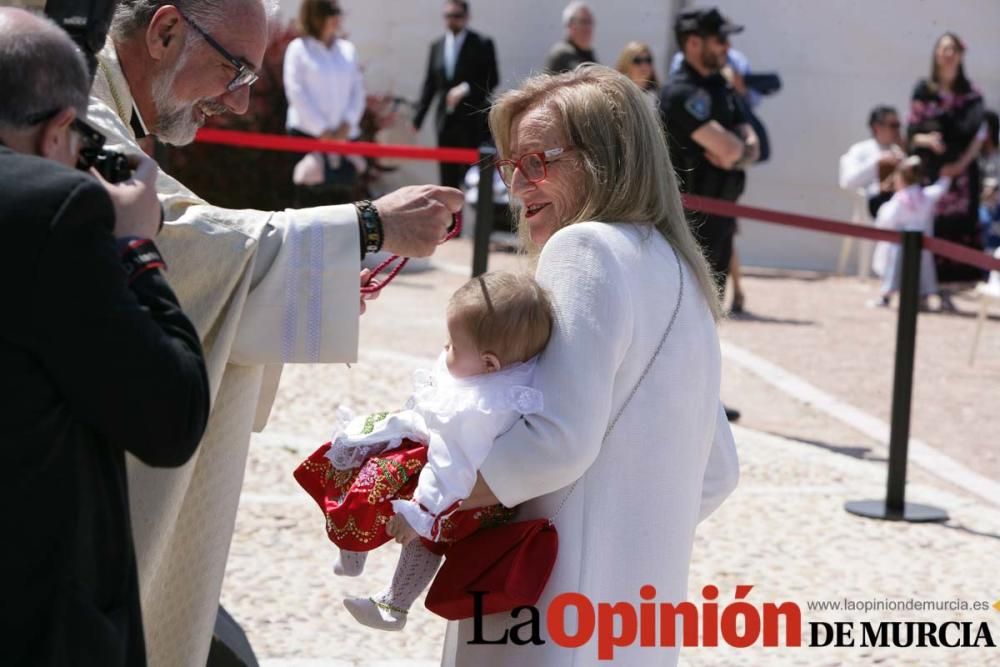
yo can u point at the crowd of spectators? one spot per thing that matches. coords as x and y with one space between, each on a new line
323 86
951 141
946 125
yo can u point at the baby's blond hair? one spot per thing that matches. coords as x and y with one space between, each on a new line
508 314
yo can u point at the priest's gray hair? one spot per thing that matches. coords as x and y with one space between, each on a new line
132 16
570 12
41 70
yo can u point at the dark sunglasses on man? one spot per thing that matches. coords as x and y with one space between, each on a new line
109 164
91 140
90 137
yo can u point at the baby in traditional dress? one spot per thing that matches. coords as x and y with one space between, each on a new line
410 470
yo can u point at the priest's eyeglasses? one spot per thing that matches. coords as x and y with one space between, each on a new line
245 76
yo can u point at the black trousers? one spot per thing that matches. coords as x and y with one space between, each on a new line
715 234
962 229
457 133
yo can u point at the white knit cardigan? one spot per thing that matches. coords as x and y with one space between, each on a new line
668 463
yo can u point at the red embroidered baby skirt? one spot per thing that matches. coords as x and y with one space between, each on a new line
357 502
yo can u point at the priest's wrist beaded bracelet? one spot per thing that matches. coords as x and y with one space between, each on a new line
370 223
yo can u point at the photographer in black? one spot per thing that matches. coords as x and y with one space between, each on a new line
98 361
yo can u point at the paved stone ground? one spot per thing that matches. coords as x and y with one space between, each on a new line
818 327
784 531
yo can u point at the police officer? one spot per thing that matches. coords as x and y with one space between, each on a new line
711 141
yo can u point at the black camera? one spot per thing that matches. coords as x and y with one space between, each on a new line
112 166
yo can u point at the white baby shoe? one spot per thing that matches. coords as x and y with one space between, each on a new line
378 615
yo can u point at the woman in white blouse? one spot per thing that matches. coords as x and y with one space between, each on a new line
323 82
587 160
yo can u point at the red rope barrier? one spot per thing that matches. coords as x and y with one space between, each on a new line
281 142
961 253
729 209
954 251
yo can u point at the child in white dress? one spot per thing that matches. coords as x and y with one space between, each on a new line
366 481
910 209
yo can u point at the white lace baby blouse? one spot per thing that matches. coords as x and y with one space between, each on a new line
458 419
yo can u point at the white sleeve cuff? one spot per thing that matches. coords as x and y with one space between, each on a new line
304 306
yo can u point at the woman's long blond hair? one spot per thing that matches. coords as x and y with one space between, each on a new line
623 153
624 64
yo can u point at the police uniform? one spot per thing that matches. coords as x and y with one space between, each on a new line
688 101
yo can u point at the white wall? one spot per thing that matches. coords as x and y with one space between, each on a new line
837 58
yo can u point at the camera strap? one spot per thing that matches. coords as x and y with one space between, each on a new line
139 256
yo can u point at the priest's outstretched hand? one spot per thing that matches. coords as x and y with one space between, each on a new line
416 218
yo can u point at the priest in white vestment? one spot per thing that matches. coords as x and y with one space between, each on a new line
262 288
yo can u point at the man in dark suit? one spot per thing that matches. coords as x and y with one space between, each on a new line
461 72
98 360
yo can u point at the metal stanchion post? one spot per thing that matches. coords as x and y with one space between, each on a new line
895 507
484 210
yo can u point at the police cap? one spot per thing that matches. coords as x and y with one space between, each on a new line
705 22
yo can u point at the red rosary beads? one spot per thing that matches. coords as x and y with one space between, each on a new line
375 286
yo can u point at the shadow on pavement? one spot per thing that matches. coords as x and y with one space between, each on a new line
803 276
854 451
748 316
970 531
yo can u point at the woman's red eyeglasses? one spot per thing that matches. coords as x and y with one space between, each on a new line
533 166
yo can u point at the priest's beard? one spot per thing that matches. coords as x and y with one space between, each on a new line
175 121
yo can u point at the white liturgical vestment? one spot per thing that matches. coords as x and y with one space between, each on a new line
262 288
